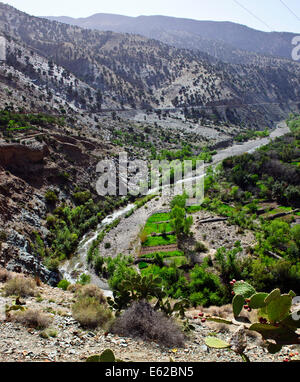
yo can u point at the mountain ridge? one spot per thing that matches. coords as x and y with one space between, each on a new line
131 71
192 34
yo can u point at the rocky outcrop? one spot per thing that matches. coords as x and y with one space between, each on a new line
17 155
16 257
73 152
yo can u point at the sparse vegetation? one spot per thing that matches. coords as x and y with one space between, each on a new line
90 313
32 318
20 286
91 290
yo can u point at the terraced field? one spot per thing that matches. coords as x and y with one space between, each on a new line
158 235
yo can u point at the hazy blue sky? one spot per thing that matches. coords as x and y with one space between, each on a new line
269 13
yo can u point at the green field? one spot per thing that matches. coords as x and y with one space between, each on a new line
160 240
159 218
157 228
163 254
280 210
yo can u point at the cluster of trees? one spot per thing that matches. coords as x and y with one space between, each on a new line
10 119
251 134
269 173
68 224
179 220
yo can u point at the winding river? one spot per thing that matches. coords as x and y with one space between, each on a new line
78 263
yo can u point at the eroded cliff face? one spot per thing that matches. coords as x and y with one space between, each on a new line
28 169
19 156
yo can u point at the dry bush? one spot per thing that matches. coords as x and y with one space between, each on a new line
20 286
91 290
142 321
90 313
74 288
4 275
32 318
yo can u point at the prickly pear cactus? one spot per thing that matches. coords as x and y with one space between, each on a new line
277 324
106 356
216 343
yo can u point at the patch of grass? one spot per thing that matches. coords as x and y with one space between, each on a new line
280 210
159 218
157 228
296 164
223 209
84 279
63 284
163 254
160 240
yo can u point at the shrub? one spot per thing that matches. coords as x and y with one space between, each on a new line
91 290
107 245
32 318
82 197
20 286
84 279
51 196
205 288
98 263
90 313
142 321
52 264
63 284
51 220
4 275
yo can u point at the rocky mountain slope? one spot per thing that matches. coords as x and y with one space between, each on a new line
224 40
131 71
